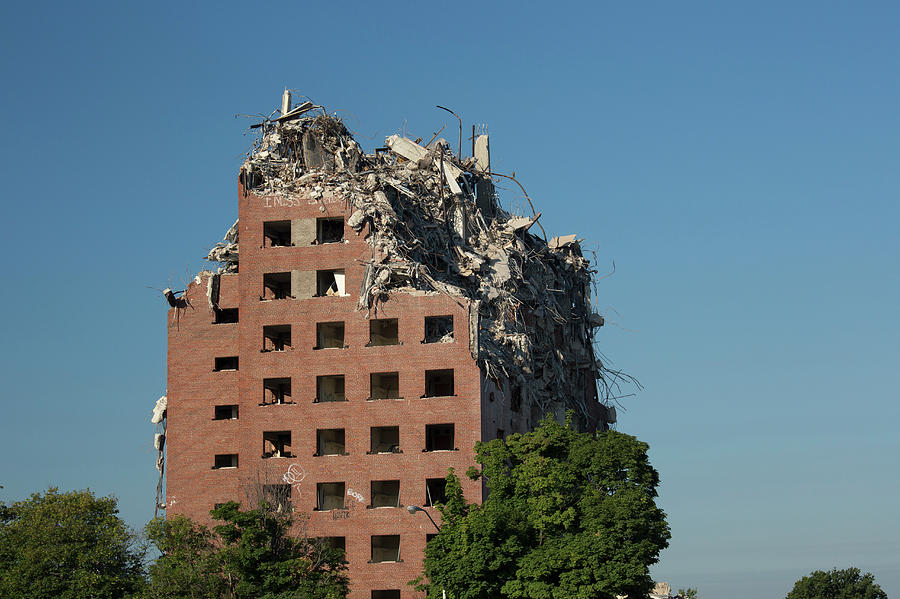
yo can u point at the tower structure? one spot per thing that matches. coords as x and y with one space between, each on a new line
372 318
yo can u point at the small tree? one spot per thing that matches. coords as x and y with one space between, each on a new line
568 515
837 584
67 546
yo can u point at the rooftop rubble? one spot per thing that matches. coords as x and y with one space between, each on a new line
437 225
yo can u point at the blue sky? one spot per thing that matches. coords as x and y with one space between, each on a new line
738 161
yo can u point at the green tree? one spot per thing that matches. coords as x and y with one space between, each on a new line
837 584
67 546
568 515
251 555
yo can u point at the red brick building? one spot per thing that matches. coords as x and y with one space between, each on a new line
343 369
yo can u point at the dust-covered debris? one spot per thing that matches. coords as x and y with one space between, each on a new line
437 225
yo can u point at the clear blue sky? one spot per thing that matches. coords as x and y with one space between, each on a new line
738 161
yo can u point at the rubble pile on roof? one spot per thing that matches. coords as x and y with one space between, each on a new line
436 226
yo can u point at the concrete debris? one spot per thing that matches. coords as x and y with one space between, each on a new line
159 410
436 225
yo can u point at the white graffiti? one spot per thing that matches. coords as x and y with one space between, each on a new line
355 495
172 501
294 476
280 202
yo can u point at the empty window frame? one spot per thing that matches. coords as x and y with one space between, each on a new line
278 497
226 363
229 412
385 493
330 388
329 335
515 400
334 542
439 437
386 594
384 385
225 315
385 439
385 548
276 233
384 331
329 230
276 391
277 337
438 383
330 496
276 285
438 329
330 282
225 460
435 491
331 441
277 444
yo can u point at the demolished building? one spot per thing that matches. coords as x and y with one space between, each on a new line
371 317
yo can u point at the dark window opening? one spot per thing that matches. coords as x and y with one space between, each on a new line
329 335
438 329
330 388
384 385
385 439
225 413
384 331
225 315
276 391
387 594
278 497
430 536
515 401
277 444
276 233
335 542
491 396
329 496
329 230
501 433
276 285
385 493
439 437
227 363
385 548
277 337
226 460
435 491
330 441
330 282
438 383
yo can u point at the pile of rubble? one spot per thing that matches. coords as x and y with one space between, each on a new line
435 224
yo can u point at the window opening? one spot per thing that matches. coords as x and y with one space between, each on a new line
385 493
384 331
387 594
330 282
335 542
385 548
438 383
438 329
330 388
278 497
276 233
329 230
329 335
277 444
384 385
330 441
227 363
329 496
229 412
515 401
225 460
276 285
277 337
435 491
439 437
385 439
276 391
225 315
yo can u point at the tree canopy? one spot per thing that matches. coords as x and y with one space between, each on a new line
67 546
837 584
250 555
568 515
